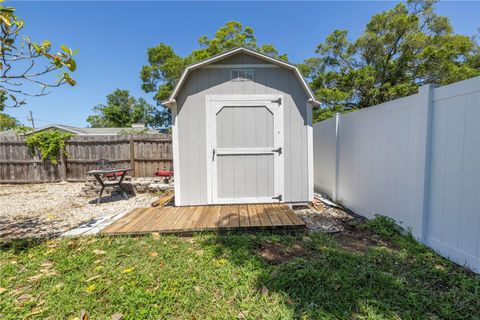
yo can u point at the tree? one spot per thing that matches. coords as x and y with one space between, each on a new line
122 110
8 122
400 50
165 66
25 65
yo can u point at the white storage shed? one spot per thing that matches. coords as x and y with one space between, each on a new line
242 131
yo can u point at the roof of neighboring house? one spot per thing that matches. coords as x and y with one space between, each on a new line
83 131
7 133
232 52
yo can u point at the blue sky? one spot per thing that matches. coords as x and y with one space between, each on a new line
112 38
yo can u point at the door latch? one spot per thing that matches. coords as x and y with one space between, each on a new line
279 101
279 198
279 150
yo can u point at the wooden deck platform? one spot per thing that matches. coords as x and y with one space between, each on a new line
204 218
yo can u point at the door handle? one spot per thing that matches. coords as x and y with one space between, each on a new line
279 150
213 154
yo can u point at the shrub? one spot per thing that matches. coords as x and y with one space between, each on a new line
50 144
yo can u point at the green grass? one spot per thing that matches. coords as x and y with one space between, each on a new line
208 276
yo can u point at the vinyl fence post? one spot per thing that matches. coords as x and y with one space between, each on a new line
425 94
337 154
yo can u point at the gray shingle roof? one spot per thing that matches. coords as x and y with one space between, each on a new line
83 131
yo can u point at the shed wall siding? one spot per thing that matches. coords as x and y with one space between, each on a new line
192 125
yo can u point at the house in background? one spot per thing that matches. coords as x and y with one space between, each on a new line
242 131
135 128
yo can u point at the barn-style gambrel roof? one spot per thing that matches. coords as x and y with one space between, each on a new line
235 51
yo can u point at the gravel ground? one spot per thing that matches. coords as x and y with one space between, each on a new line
324 218
47 210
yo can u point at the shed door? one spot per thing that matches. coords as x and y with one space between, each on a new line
247 151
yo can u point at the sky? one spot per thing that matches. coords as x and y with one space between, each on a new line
113 37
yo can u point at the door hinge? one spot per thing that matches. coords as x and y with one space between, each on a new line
279 150
279 198
279 101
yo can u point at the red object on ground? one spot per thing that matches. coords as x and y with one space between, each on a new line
163 173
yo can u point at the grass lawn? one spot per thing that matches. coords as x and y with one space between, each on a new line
369 272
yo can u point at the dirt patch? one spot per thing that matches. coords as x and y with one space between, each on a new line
277 253
358 241
343 225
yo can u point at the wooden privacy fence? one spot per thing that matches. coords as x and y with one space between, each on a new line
143 153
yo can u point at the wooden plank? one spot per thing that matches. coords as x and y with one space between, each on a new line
165 218
295 219
272 214
123 220
136 223
199 218
149 224
190 225
282 215
233 216
204 218
215 218
173 218
180 223
243 213
132 154
253 216
263 216
224 216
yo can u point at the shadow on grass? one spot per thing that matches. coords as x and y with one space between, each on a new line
18 246
319 278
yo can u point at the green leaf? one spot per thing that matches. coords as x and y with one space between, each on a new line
66 49
72 65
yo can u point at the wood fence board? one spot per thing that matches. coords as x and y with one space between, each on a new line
151 152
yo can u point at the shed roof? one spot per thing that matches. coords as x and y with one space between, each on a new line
232 52
81 131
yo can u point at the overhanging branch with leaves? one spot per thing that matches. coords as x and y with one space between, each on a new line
24 62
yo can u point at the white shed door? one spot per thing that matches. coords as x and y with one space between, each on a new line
247 151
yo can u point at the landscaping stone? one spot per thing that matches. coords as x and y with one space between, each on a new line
155 187
141 188
325 218
132 185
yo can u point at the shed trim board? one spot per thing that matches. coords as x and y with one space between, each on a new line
214 104
224 55
310 151
175 151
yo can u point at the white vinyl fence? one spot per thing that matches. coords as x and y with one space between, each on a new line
414 159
